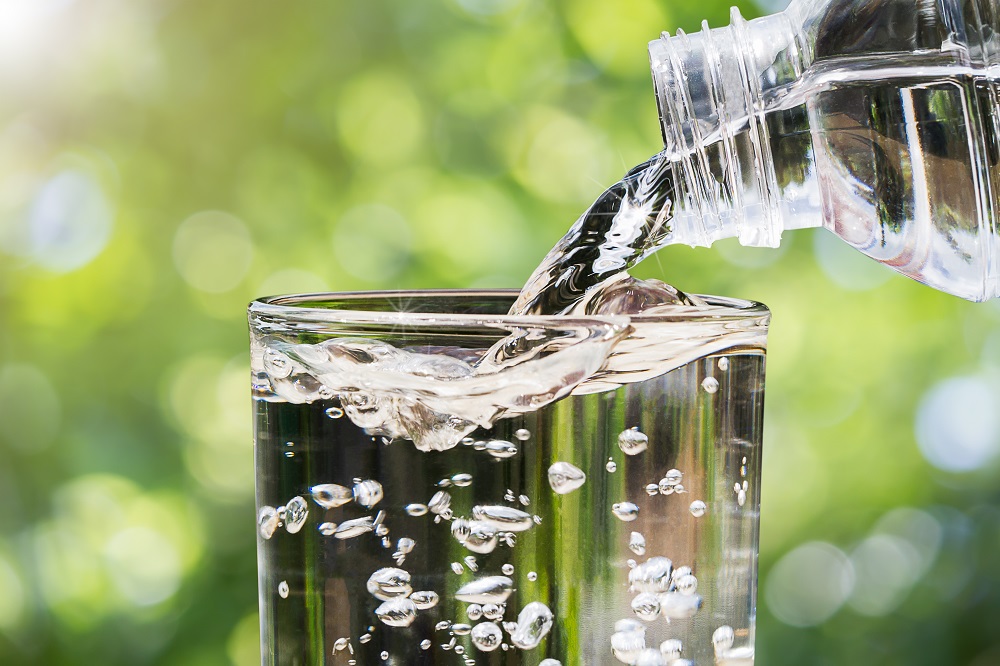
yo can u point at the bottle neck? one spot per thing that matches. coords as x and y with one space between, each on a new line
714 91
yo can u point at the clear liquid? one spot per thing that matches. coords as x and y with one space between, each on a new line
702 419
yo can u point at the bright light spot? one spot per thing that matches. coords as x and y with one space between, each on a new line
918 528
25 23
379 119
291 281
12 599
372 243
243 646
845 266
144 565
809 584
564 158
67 224
212 251
30 412
886 567
957 424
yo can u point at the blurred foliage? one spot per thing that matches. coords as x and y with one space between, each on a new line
162 162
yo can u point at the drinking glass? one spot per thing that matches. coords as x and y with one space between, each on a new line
608 515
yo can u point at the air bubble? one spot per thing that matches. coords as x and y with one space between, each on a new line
331 495
632 442
677 606
334 412
405 545
628 641
637 543
652 489
352 528
267 521
698 508
365 638
501 448
439 502
296 512
646 606
550 662
671 648
368 493
687 584
532 576
470 561
326 529
486 636
533 624
425 644
416 510
625 511
339 644
475 612
612 467
723 638
493 611
524 500
503 517
462 480
389 583
710 384
653 575
565 478
457 568
283 589
723 364
384 655
277 364
397 612
650 657
425 599
461 629
522 434
486 590
741 497
507 569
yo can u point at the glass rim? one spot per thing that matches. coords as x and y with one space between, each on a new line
295 307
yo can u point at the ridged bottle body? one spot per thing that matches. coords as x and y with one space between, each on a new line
876 120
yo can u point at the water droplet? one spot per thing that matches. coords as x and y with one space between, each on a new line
486 636
710 384
283 590
686 584
296 512
470 561
457 568
625 511
532 576
612 466
646 606
439 502
353 528
425 644
524 500
652 489
523 434
653 575
503 517
671 648
416 510
389 583
507 569
486 590
368 493
501 448
493 611
723 364
637 543
400 612
334 412
425 599
565 478
474 611
632 442
462 480
331 495
533 623
326 529
364 638
723 638
698 508
267 521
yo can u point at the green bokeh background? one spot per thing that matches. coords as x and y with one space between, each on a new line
162 162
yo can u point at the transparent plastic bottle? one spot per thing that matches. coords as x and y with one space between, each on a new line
876 119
